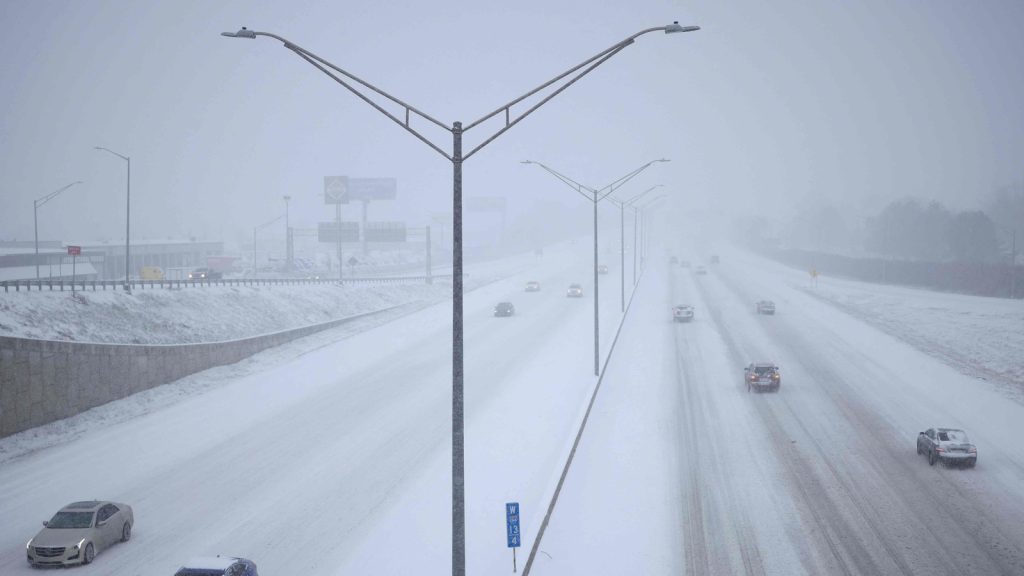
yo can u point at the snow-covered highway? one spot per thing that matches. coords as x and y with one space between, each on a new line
296 466
336 459
683 471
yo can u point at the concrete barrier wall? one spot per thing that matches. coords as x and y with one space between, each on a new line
46 380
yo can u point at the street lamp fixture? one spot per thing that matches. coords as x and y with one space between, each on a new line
127 220
35 216
361 88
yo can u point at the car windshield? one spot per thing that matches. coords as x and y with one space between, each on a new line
70 520
952 436
764 370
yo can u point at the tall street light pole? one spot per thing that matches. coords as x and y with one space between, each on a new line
364 90
287 236
127 219
255 269
644 236
595 195
622 204
35 216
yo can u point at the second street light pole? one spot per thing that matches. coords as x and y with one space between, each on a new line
622 204
599 194
643 227
127 220
255 268
35 217
457 157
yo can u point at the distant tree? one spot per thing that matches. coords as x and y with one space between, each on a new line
972 237
909 229
1006 207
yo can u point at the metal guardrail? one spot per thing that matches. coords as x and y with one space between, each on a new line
93 285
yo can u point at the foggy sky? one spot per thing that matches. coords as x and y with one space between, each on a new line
769 105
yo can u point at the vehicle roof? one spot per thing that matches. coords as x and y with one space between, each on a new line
504 303
764 365
211 562
574 285
84 505
949 430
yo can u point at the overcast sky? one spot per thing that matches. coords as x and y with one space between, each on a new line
770 104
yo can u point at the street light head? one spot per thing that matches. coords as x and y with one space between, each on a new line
662 160
675 27
526 162
243 33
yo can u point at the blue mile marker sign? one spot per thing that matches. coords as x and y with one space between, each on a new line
512 524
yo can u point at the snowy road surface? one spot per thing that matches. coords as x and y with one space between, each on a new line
683 471
294 466
338 461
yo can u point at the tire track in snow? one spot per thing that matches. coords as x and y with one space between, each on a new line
830 525
910 493
698 412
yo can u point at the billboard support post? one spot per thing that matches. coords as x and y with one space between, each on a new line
341 263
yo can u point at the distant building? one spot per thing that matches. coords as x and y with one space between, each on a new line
101 260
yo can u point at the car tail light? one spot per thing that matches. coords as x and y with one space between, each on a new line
940 449
972 450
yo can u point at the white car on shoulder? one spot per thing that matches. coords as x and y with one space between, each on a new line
80 531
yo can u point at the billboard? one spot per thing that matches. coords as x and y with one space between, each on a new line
328 232
385 232
342 189
484 203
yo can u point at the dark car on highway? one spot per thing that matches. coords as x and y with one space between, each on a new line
947 445
504 309
762 376
218 566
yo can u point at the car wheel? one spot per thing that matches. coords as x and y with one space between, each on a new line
931 458
918 448
126 532
972 463
90 554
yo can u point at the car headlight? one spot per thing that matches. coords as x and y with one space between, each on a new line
28 545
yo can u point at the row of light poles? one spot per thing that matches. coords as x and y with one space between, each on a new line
595 195
364 90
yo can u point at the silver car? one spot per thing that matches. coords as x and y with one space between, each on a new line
79 531
947 445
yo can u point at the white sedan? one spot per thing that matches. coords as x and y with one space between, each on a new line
79 531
